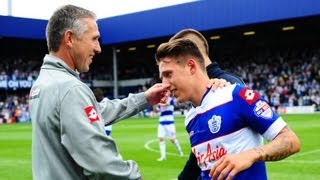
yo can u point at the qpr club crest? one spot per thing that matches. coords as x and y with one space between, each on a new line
214 124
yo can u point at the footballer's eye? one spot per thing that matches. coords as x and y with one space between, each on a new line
167 74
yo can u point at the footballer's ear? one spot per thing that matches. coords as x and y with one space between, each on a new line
191 64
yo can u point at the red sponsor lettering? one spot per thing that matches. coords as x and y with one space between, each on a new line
210 155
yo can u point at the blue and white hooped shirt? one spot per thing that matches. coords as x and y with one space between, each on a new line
228 121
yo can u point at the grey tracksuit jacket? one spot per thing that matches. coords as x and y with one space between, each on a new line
68 137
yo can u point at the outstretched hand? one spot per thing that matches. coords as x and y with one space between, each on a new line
157 93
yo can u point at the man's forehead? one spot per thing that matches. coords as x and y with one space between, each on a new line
167 61
164 67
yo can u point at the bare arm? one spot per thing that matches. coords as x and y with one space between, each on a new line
283 145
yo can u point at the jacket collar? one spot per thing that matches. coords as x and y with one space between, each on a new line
53 62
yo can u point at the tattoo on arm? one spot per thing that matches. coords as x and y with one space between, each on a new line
278 151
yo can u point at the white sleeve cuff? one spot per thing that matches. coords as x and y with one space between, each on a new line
274 129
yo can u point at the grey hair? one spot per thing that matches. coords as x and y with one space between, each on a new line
65 18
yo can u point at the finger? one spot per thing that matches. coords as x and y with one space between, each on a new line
163 102
217 168
214 85
161 86
225 171
214 88
211 82
157 85
213 169
168 93
232 174
165 86
223 81
165 97
226 84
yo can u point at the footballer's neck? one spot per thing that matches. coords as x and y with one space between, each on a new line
199 89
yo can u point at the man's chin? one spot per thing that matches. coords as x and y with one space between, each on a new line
84 70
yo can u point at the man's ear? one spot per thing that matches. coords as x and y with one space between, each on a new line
191 64
68 35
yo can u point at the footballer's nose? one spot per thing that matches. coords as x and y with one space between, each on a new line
167 83
165 80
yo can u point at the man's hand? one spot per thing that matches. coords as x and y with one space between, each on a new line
231 164
157 93
217 83
283 145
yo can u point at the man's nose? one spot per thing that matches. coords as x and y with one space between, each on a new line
97 48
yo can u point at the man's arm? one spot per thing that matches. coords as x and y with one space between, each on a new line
283 145
83 136
117 109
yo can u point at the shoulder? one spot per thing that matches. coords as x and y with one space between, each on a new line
214 71
244 93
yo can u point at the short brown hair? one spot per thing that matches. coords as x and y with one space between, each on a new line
180 49
184 32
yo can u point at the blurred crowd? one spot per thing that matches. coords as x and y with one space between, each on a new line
290 78
14 108
14 102
284 78
19 67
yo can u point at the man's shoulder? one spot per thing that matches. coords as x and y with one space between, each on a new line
58 82
214 71
57 77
